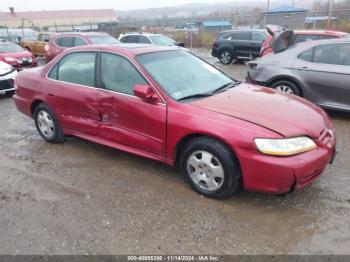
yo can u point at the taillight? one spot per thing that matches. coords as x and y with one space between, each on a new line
46 47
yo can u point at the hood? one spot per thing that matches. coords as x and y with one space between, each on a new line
17 55
285 114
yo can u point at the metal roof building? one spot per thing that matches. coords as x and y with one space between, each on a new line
216 25
286 16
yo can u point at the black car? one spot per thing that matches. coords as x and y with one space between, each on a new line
239 45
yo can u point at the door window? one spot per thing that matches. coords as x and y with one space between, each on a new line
258 36
307 55
76 68
244 35
118 74
144 40
335 54
79 41
65 41
305 38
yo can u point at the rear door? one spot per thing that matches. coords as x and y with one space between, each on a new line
325 72
257 40
241 42
72 92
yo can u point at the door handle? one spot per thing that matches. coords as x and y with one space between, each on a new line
304 68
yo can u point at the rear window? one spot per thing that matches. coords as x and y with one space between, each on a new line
243 35
65 41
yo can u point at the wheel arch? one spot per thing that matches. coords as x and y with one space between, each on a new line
34 105
180 146
287 78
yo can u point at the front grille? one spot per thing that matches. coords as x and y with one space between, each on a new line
6 84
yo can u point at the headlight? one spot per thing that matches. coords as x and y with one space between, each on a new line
10 59
284 147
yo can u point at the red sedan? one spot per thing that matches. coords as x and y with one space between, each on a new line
16 56
168 105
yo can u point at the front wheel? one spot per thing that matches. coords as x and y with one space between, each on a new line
226 57
210 168
47 124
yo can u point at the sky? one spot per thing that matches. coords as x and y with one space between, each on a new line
34 5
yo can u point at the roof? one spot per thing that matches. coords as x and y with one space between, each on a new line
320 32
215 23
286 9
34 15
134 49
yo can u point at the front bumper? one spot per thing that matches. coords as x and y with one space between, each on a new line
280 175
7 83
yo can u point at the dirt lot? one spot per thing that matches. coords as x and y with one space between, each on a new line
83 198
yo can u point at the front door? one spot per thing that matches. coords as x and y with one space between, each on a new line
125 118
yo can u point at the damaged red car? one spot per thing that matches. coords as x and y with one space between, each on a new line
166 104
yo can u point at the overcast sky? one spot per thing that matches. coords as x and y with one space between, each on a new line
26 5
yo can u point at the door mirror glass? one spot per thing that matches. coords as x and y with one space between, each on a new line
145 92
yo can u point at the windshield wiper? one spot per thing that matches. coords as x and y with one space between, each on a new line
194 96
224 88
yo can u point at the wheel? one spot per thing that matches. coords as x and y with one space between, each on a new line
47 124
287 87
210 168
226 57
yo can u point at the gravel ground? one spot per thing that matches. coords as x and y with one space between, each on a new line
83 198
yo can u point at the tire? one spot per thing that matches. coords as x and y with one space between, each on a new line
47 124
286 86
220 177
226 57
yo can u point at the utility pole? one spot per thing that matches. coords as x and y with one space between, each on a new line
267 9
330 9
293 3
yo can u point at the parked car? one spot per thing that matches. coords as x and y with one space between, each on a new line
239 45
299 36
149 38
318 71
168 105
16 56
7 76
37 47
62 41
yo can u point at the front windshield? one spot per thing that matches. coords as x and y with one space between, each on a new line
182 74
10 48
103 40
162 40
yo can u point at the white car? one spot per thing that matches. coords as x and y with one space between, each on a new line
148 38
7 77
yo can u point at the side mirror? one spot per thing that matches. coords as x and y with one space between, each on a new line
145 92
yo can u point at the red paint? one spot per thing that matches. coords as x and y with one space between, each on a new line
268 50
153 128
17 55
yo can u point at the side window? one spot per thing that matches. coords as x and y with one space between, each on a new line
65 41
257 36
53 72
335 54
124 39
40 37
79 41
306 55
119 75
46 37
133 39
305 38
144 40
244 35
77 68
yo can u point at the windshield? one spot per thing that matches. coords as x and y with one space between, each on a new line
10 48
103 40
182 74
162 40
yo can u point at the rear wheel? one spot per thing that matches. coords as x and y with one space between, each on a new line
47 124
286 86
210 168
226 57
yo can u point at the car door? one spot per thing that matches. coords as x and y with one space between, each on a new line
325 72
241 41
127 119
72 93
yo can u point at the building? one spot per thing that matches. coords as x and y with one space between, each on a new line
285 16
216 25
46 19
